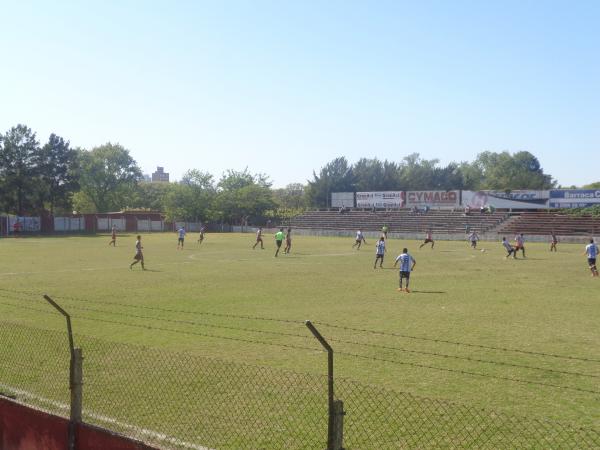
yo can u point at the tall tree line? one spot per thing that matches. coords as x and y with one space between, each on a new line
56 178
497 171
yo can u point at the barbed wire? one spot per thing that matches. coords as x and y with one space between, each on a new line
342 327
179 321
465 372
371 345
171 330
444 341
464 358
158 308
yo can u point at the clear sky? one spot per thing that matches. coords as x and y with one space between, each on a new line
283 87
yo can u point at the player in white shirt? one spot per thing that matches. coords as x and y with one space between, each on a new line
181 237
520 243
407 264
509 248
259 239
473 238
139 256
359 240
591 251
379 252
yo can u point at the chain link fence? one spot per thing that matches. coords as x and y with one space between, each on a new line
178 400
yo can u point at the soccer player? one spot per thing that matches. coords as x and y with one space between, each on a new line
385 230
405 267
379 252
520 243
553 242
181 234
288 241
278 240
258 239
509 248
473 237
113 240
201 236
139 256
591 251
359 240
428 239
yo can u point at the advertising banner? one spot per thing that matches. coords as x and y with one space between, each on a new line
574 198
30 224
339 199
386 199
433 199
518 199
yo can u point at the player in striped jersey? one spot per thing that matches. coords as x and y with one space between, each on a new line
407 264
509 248
591 251
379 252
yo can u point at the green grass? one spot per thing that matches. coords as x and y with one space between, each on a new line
547 303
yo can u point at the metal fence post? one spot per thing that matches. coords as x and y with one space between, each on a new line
335 437
75 378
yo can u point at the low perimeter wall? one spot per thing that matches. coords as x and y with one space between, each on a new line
25 428
492 237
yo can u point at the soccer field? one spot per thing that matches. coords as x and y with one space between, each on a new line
517 336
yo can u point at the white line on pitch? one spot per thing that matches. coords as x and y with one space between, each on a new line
106 419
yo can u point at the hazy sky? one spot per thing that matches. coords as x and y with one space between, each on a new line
283 87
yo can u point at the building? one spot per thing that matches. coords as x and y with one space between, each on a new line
160 176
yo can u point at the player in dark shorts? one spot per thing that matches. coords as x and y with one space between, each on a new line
360 238
113 240
139 256
407 265
553 242
288 241
201 236
259 239
379 252
428 239
591 251
180 238
279 240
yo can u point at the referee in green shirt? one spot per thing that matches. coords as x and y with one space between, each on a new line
278 240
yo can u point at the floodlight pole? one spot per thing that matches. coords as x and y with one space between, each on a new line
75 377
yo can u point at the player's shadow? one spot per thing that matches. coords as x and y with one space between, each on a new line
428 292
152 270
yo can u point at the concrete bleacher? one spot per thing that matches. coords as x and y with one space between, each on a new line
399 221
543 223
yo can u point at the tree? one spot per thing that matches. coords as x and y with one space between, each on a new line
108 176
150 196
503 171
57 165
242 195
192 199
291 197
19 155
595 185
335 176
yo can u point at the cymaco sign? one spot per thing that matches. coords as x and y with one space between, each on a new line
433 199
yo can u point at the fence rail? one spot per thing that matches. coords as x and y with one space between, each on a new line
180 400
